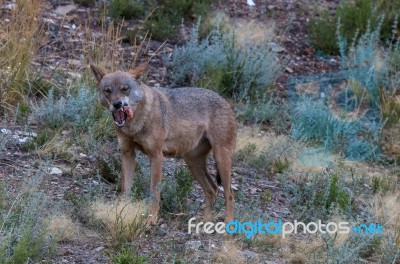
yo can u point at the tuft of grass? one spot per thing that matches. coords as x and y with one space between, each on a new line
127 255
122 220
19 41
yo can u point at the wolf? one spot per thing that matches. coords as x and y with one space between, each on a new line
184 122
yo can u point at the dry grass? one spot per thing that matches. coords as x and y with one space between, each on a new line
63 228
247 135
123 220
386 209
103 48
253 31
229 253
20 38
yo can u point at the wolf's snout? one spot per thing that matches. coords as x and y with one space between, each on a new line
117 104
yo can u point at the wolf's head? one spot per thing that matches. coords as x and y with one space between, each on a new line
119 92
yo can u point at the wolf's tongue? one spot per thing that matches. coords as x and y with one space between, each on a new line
119 116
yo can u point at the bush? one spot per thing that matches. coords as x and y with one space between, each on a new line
175 193
313 121
320 197
79 108
126 9
354 19
242 71
165 20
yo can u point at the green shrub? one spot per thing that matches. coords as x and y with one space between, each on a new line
164 22
126 9
174 194
354 19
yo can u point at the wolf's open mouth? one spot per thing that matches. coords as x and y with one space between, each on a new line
119 117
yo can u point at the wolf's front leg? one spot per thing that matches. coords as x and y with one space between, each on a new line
156 175
128 169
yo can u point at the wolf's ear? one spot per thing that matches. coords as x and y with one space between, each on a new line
98 72
136 72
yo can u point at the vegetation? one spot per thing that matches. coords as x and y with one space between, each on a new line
242 71
354 20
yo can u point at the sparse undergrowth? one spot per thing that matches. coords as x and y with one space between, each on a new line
23 231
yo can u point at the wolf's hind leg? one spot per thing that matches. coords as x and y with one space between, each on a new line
197 163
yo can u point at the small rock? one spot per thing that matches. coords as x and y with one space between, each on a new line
74 62
26 134
98 249
193 245
83 156
289 70
63 10
5 131
275 47
250 3
248 254
163 226
9 6
55 171
253 191
235 187
24 140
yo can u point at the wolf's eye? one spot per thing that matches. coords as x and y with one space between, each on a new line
107 90
125 88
